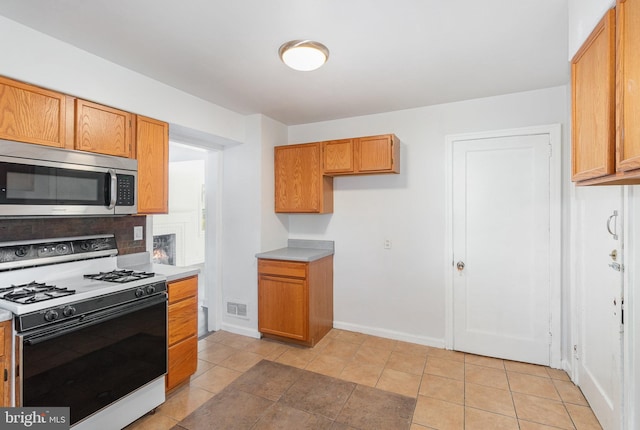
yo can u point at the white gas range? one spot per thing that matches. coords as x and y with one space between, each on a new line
88 335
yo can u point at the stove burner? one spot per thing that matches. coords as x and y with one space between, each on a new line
33 292
120 276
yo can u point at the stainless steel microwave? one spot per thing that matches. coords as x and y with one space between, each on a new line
37 180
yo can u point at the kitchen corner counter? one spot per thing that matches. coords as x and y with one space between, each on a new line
300 250
5 315
142 261
174 273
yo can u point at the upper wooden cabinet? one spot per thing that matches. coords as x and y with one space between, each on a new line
628 86
103 129
363 155
299 183
152 152
606 101
35 115
593 97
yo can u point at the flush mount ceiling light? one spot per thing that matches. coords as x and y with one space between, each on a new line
303 55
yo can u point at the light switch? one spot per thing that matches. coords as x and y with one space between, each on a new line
137 232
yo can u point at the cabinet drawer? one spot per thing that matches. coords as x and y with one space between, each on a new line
283 268
183 361
182 289
183 320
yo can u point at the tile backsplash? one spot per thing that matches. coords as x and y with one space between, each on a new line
45 228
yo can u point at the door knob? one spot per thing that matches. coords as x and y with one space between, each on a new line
614 255
460 266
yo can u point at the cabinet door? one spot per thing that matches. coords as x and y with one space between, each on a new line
628 86
5 363
299 183
152 152
337 156
103 129
593 102
378 154
183 320
283 308
34 115
183 362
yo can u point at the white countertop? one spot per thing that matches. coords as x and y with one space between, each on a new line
142 261
300 250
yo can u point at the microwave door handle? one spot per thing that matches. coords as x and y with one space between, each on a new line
113 189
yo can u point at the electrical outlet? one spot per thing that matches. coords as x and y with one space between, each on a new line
387 244
138 233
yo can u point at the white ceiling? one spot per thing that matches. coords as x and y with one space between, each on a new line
385 55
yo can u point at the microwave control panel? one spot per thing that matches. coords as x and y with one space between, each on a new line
126 190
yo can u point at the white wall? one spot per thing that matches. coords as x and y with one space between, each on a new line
250 225
400 292
583 17
186 203
36 58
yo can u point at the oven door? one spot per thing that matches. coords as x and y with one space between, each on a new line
90 362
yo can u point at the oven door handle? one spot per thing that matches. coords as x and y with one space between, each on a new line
51 332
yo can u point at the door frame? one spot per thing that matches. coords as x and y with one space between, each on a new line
555 229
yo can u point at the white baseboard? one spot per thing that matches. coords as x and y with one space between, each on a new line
244 331
390 334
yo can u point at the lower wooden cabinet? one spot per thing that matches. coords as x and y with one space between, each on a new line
295 299
5 362
183 331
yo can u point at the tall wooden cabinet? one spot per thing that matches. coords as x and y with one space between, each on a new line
183 331
606 101
103 129
295 299
152 152
299 183
35 115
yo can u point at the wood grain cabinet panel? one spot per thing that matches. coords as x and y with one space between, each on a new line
295 300
34 115
606 101
628 86
5 363
152 153
362 155
378 154
183 331
338 156
593 97
299 183
103 129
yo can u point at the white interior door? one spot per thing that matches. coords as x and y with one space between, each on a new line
599 291
501 247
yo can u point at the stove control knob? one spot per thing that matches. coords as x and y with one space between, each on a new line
51 315
69 311
22 251
139 292
151 289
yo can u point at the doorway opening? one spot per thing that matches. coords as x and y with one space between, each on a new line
182 237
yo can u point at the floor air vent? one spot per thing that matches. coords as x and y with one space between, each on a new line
237 309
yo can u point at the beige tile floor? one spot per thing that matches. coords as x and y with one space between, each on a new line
454 390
